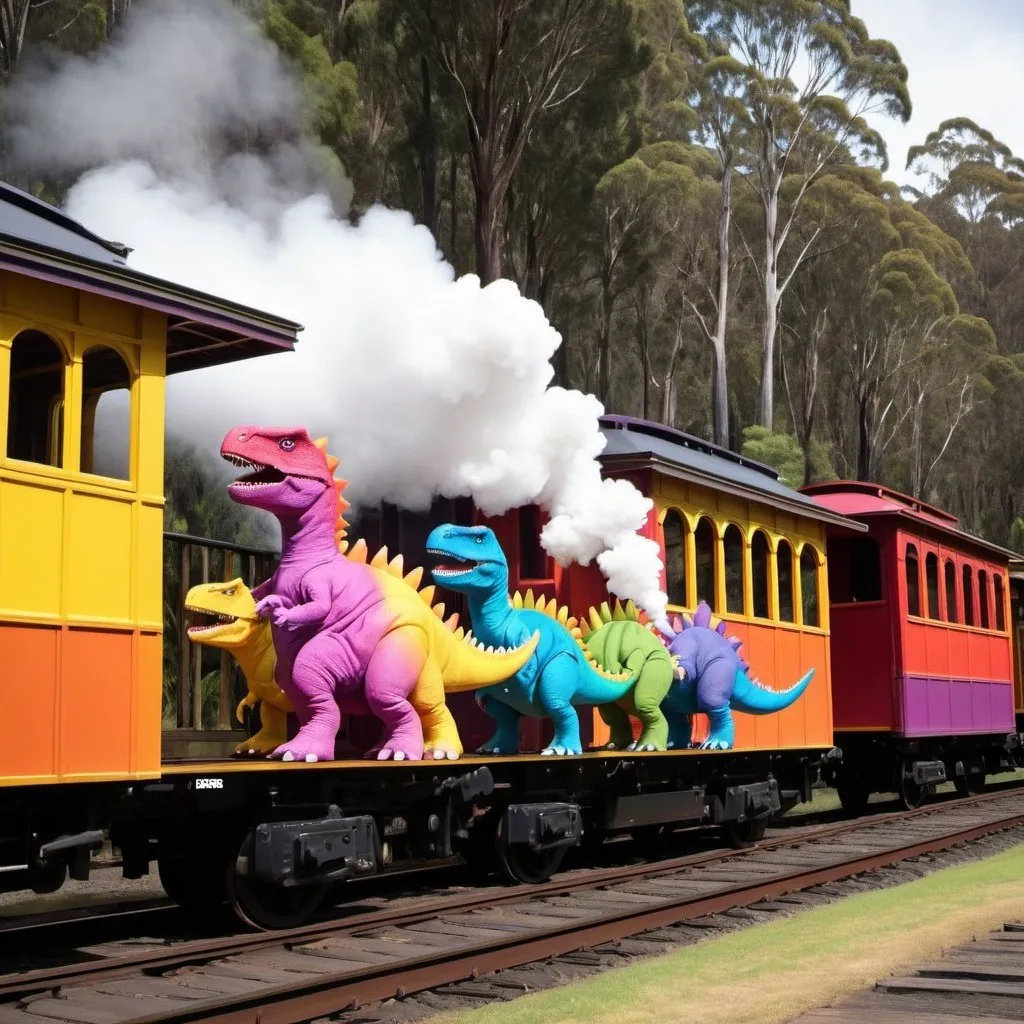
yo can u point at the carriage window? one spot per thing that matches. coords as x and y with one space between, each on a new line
35 426
951 615
533 560
733 570
106 414
968 596
704 542
784 558
997 581
931 574
674 533
809 586
759 555
854 570
983 597
913 572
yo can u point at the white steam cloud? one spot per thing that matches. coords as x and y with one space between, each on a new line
424 384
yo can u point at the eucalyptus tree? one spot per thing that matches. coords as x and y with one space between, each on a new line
800 129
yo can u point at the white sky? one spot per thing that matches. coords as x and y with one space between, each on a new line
965 58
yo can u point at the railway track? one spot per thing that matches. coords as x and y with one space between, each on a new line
327 968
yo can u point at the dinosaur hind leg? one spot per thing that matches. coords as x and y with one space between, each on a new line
713 692
653 683
619 724
440 734
273 731
506 737
680 730
312 691
557 686
391 676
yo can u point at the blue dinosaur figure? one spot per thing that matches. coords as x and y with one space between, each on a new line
713 679
560 675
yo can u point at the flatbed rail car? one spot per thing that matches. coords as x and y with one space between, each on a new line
922 654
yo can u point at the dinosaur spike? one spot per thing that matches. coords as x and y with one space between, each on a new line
632 612
452 622
606 612
618 612
563 614
414 577
427 595
438 610
541 605
380 560
596 619
517 600
460 633
359 551
528 602
321 443
396 566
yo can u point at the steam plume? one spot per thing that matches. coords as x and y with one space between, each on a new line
425 384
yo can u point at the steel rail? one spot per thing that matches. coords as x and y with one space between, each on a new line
24 985
344 990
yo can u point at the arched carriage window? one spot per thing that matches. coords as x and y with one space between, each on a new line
913 573
106 414
784 560
950 572
968 596
35 424
733 541
997 582
931 575
674 531
809 586
704 544
983 597
759 579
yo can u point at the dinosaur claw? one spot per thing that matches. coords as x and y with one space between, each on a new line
311 759
288 756
452 755
399 755
384 754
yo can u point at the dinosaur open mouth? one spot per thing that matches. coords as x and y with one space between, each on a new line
451 565
260 476
201 621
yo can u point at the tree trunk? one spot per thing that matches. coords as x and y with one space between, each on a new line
863 438
604 343
487 234
453 227
427 152
721 397
771 185
13 22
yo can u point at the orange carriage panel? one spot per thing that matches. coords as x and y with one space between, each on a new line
30 659
97 703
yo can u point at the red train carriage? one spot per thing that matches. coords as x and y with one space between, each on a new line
922 657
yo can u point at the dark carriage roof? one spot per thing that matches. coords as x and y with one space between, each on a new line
41 241
872 501
639 444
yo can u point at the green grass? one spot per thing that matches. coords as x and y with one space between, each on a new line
774 972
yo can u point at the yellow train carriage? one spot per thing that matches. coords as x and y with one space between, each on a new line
85 347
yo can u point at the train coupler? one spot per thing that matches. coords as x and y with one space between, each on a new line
543 826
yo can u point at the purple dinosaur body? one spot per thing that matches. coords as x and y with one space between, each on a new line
713 679
348 636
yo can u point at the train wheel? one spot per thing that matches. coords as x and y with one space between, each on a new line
521 864
911 794
196 884
970 784
743 834
266 905
853 797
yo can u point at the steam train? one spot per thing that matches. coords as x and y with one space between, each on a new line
910 624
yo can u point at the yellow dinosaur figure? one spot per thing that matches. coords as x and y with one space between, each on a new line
237 628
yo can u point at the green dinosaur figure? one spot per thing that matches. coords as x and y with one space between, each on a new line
621 641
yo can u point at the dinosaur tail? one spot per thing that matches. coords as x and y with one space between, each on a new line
755 699
468 665
601 687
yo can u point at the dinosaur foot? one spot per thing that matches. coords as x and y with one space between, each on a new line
489 748
394 752
561 751
441 754
301 749
643 746
258 745
715 743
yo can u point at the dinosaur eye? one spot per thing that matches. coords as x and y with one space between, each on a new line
230 592
479 540
287 444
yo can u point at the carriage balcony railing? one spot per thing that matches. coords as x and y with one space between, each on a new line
202 685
